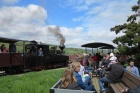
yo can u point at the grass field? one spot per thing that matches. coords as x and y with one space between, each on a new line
32 82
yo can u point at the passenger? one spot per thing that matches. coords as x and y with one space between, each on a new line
86 77
132 68
4 49
133 90
89 68
106 61
12 48
116 72
40 52
69 80
112 59
96 59
76 67
104 65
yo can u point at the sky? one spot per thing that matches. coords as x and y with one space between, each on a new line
77 21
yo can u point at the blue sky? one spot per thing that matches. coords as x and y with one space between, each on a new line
79 21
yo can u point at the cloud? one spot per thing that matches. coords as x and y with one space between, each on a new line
77 19
79 5
100 17
21 21
29 22
8 2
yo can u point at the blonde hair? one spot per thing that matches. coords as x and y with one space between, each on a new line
75 64
107 56
68 77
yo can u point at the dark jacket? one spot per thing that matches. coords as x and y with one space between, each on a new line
105 62
74 86
116 72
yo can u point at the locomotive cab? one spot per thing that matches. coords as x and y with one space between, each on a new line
51 57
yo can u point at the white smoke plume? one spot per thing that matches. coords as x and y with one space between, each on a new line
57 32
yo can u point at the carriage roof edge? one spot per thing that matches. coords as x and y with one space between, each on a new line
98 44
11 40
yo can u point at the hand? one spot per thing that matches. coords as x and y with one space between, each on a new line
103 66
99 68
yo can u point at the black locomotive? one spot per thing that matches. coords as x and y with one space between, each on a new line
50 57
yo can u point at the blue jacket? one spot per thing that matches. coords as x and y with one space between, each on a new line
79 80
89 87
134 70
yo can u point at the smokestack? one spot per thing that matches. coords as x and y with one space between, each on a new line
62 46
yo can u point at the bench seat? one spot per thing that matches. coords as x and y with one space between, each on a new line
128 80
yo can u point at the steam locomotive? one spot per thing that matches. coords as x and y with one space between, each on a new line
13 62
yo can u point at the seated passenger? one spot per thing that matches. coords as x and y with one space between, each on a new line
104 64
68 80
133 69
76 67
112 59
4 49
86 78
116 72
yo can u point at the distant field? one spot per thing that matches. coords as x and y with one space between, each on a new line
19 46
73 50
33 82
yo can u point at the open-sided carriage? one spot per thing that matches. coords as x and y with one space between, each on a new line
11 61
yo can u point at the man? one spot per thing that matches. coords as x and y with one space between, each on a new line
40 52
116 71
132 68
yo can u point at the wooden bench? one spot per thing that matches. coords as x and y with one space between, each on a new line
128 80
55 89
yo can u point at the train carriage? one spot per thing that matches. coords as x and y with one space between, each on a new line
11 61
14 61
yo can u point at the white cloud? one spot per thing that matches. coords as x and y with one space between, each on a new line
80 5
101 16
9 2
22 21
77 19
29 22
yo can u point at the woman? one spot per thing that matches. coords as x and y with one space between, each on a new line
76 67
105 63
69 80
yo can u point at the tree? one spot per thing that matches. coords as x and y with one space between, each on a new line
131 29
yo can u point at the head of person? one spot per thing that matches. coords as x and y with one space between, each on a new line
68 77
76 66
131 63
40 49
107 56
111 55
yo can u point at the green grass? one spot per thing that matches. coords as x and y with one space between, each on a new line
74 50
33 82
